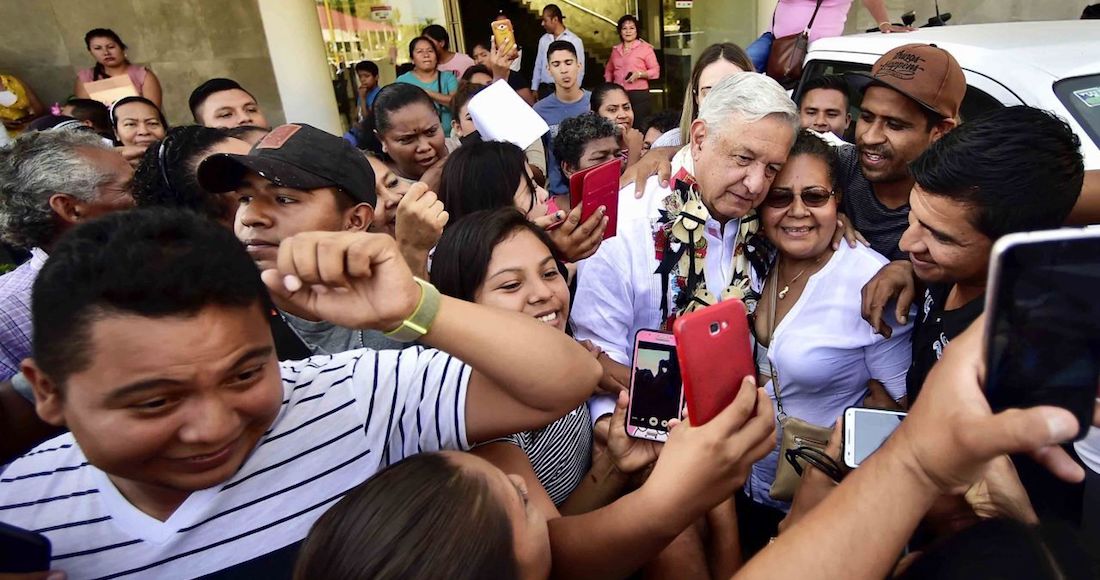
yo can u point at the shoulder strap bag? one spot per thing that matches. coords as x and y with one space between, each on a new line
788 52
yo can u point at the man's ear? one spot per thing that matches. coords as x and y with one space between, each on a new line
66 207
456 129
697 134
358 218
943 127
847 121
48 402
567 170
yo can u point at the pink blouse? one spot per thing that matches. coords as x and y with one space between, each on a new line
136 73
640 57
792 16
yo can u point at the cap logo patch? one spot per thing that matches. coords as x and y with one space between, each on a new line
905 66
278 137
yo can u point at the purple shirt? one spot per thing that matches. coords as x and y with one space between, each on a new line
15 313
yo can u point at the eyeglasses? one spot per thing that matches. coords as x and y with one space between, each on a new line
811 197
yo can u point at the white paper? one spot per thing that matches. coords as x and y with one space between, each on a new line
501 115
7 98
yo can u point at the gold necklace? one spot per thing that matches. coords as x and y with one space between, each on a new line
787 287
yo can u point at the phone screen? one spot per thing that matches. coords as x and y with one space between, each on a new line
870 429
655 399
1044 340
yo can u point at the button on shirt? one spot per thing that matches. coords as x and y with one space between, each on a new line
618 291
542 71
15 313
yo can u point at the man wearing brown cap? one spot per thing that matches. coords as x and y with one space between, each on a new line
911 98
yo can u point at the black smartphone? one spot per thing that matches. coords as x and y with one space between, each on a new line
1043 322
23 551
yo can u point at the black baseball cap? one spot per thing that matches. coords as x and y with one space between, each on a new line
297 156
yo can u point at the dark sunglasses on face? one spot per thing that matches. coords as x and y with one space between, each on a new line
811 197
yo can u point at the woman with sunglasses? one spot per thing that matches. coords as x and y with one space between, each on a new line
810 336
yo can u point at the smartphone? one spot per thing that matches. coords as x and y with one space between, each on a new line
502 31
715 356
23 551
656 396
597 186
865 430
1043 322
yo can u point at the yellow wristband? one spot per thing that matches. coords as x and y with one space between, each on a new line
420 321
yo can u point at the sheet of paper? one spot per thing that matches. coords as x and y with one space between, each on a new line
109 90
501 115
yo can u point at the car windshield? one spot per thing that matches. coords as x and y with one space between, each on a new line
1081 95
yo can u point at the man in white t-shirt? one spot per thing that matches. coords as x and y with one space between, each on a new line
192 450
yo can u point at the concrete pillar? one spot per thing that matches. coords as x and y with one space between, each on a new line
301 67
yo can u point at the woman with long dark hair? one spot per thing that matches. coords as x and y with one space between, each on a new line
111 61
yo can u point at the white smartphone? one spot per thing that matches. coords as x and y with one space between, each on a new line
865 430
1043 322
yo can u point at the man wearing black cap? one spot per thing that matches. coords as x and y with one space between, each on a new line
300 179
224 103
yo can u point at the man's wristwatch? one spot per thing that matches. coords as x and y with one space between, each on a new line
420 321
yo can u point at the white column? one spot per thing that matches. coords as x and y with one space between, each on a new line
298 58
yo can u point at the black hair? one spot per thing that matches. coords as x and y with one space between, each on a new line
367 140
1006 549
166 175
600 93
382 527
126 101
393 98
203 92
808 143
561 45
92 111
153 263
367 67
475 69
404 68
1020 167
575 133
461 259
438 33
463 95
827 82
481 176
250 134
554 11
98 72
623 20
663 121
419 39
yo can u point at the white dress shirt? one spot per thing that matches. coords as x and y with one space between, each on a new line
542 71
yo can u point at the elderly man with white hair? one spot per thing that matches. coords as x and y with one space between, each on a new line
645 276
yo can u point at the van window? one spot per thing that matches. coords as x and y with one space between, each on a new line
1081 96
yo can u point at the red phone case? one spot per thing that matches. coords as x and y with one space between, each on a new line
715 353
598 186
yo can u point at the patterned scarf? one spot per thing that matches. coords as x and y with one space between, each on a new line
681 248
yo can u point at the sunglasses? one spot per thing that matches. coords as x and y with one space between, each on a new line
811 197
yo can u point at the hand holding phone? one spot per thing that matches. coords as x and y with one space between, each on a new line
595 187
23 551
655 388
504 35
715 356
865 430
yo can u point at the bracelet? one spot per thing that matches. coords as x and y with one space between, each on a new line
886 22
420 321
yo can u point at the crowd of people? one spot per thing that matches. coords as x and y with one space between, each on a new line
240 350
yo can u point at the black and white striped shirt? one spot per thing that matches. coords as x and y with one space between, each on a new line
344 417
560 453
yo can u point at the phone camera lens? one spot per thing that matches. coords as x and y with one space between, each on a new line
714 328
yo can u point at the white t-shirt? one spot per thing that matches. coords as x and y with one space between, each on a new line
344 417
825 352
1089 449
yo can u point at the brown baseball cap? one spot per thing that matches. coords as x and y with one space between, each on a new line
925 73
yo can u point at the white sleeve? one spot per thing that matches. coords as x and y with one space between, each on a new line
412 400
603 310
579 45
540 66
888 359
670 138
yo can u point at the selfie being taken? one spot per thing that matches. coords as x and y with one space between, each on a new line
677 290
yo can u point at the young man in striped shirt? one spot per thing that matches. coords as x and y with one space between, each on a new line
192 451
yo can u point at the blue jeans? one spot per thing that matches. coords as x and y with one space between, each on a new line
759 50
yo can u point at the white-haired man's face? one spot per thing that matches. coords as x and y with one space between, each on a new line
735 167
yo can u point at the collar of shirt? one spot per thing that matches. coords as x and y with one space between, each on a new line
38 257
721 244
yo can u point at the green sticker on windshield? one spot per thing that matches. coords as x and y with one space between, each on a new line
1090 97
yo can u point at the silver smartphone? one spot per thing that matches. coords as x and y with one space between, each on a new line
1043 322
865 430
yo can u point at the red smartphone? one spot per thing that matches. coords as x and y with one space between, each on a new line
597 186
715 352
656 396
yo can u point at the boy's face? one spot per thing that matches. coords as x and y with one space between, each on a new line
564 68
169 405
366 79
268 214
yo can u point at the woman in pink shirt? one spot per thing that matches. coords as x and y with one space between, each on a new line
633 64
111 61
